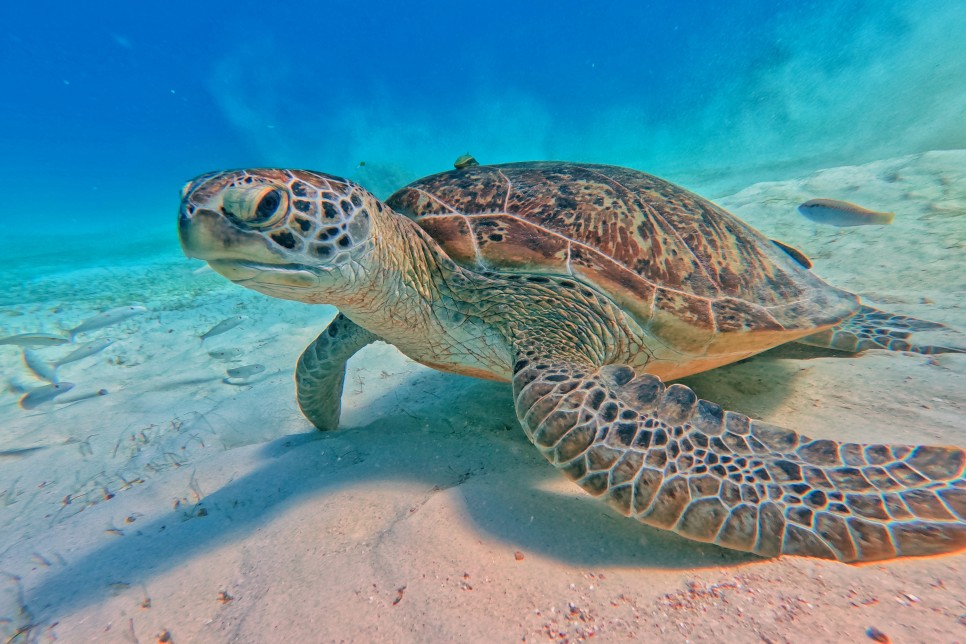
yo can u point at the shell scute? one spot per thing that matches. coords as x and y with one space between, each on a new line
731 314
459 236
683 306
519 244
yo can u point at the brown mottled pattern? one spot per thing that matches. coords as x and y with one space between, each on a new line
511 242
461 247
671 240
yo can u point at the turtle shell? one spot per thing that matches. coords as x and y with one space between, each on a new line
688 271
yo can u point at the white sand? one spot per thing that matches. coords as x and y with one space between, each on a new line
428 516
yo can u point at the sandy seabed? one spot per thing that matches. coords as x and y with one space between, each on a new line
178 506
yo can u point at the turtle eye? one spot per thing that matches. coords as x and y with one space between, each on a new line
268 206
255 206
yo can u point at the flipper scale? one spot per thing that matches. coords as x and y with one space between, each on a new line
661 455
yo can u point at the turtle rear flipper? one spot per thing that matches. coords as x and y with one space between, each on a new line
664 457
871 328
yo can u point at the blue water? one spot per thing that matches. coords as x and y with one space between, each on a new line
109 107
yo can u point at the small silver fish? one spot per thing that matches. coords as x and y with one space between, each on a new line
225 325
842 213
84 351
40 367
34 340
107 318
246 371
40 395
225 354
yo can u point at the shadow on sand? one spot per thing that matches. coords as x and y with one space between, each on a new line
473 443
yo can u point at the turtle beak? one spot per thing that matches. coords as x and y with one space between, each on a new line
196 235
244 257
208 235
185 234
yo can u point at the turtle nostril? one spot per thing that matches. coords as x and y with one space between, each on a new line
185 214
184 222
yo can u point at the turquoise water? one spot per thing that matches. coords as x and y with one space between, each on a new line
108 109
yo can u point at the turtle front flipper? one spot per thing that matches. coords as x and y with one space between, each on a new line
670 460
871 328
320 373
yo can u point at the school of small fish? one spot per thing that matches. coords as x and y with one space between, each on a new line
47 370
234 375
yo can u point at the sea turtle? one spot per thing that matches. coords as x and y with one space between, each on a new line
587 287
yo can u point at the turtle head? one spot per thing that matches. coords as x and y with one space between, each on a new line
292 234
